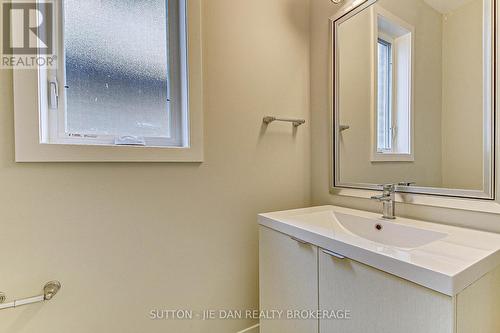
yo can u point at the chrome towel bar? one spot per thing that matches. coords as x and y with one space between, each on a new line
296 122
49 291
344 128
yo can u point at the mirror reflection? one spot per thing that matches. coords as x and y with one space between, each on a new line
413 96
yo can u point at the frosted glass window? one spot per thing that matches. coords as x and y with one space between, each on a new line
117 68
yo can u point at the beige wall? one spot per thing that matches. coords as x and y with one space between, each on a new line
127 238
462 120
355 98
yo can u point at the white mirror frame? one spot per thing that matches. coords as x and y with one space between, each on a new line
485 201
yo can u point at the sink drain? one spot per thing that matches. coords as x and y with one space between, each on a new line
379 227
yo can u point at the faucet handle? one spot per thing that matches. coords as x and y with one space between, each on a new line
388 187
407 184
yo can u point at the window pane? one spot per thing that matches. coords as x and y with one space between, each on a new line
117 67
384 121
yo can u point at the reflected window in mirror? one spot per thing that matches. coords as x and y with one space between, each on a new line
393 88
384 97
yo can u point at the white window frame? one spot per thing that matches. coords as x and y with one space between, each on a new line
35 144
391 155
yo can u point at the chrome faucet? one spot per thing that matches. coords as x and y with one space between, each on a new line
388 200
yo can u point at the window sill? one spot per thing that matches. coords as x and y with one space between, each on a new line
389 157
29 148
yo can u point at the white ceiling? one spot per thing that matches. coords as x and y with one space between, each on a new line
446 6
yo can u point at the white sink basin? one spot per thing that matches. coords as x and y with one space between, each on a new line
388 233
440 257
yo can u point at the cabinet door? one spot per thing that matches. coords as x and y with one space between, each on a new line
288 282
378 302
478 305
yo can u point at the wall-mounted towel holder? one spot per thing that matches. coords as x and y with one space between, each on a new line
296 122
49 291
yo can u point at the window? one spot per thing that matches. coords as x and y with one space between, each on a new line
121 78
128 75
393 88
384 101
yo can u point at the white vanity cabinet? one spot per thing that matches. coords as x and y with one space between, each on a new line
379 302
288 281
303 276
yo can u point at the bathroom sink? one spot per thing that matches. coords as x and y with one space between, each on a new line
386 232
443 258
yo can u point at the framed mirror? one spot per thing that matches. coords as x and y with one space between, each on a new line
413 96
